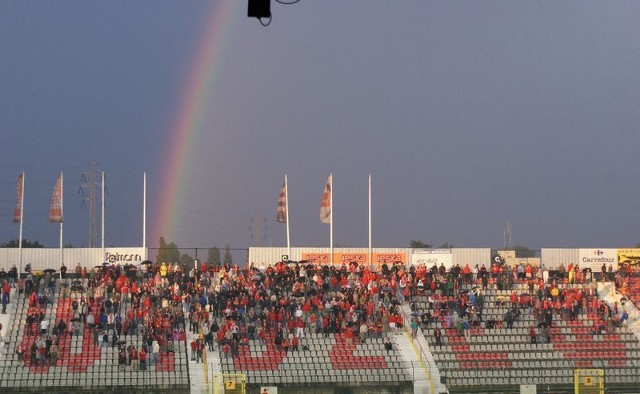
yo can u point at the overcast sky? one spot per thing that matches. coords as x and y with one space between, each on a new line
466 113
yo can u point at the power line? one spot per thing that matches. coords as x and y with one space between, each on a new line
90 186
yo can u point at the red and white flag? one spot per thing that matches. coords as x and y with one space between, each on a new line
55 212
281 212
17 212
325 204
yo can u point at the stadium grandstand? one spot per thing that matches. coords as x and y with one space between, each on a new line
291 327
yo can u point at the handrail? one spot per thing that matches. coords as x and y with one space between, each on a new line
204 358
422 353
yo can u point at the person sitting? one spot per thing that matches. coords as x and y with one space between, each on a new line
387 344
623 317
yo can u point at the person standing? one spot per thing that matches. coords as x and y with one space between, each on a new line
438 335
83 310
19 351
13 276
533 335
155 348
299 328
53 354
414 328
194 349
142 356
364 330
199 350
133 358
44 326
5 301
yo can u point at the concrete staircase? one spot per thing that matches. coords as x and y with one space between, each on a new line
199 372
607 291
214 367
417 353
5 320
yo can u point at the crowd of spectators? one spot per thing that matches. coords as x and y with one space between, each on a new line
112 305
142 309
461 307
285 302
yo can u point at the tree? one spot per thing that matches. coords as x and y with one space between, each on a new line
445 245
417 244
228 259
186 262
25 244
213 257
168 252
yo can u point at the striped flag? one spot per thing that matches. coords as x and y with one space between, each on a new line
325 204
17 212
281 212
55 212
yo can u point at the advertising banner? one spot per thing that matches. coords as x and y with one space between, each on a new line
429 257
630 256
346 258
361 258
389 258
318 258
594 258
124 255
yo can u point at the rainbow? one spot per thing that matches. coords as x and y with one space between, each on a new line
188 125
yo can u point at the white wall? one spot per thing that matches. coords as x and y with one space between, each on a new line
553 257
43 258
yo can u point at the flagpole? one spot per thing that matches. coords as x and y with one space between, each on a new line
61 220
20 232
331 218
102 220
144 214
286 192
370 250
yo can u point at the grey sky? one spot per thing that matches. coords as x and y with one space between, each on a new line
466 113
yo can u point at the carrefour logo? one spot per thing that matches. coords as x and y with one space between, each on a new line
598 252
117 257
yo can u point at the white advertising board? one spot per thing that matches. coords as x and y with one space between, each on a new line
594 258
124 255
429 257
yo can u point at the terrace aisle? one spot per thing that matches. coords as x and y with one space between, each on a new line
197 370
411 351
606 290
5 320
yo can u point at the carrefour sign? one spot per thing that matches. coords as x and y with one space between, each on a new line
594 258
124 255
